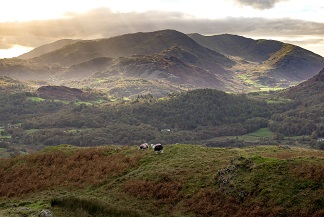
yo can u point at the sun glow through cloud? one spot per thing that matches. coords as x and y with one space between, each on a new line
25 24
14 51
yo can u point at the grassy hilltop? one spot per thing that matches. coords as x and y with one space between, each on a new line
186 180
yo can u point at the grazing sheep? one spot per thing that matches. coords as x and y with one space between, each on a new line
144 146
157 148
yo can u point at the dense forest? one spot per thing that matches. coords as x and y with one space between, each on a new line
185 117
306 117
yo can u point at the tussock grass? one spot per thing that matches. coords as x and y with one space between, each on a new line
62 167
81 207
185 180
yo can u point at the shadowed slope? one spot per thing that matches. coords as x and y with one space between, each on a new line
281 60
123 46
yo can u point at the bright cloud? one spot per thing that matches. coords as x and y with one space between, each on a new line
14 51
36 22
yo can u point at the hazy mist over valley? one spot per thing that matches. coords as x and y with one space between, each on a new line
162 108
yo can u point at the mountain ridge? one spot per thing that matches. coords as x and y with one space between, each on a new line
225 62
121 46
47 48
281 60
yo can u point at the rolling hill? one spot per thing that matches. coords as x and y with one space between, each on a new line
62 93
9 85
306 117
26 70
186 180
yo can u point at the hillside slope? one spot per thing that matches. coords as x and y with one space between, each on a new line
9 85
306 117
190 117
312 89
235 45
124 46
26 70
46 48
164 55
185 180
274 58
224 62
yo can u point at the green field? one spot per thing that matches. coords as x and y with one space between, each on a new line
263 132
269 97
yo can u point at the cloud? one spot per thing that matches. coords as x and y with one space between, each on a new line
102 23
313 41
259 4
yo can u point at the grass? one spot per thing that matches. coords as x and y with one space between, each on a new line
263 132
92 207
4 136
30 131
186 180
267 89
35 99
83 103
3 149
38 99
77 130
269 97
256 137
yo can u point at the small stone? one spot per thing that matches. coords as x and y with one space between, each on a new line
45 213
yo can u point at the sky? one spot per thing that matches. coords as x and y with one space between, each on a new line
25 25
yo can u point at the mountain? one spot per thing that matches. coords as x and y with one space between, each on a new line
225 62
125 46
166 54
47 48
235 45
308 91
276 59
168 67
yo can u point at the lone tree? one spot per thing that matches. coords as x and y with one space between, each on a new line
314 135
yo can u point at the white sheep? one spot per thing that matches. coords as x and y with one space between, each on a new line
157 148
144 146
